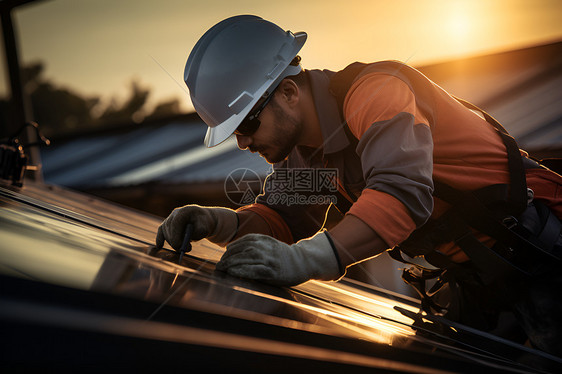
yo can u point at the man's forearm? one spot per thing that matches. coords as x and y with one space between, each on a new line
355 240
251 223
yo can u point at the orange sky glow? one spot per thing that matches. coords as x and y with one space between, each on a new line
98 47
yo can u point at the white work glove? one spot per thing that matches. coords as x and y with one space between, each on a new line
219 225
261 257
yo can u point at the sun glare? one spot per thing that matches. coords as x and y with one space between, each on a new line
459 26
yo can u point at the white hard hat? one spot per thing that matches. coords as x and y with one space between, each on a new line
233 65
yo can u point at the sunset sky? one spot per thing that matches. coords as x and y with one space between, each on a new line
97 47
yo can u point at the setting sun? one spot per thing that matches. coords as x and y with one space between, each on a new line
459 26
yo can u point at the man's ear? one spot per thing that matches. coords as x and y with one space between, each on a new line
290 91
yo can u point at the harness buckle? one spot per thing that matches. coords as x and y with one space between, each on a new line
510 222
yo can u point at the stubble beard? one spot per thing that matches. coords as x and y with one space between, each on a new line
287 129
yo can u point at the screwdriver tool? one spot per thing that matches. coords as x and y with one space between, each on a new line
186 245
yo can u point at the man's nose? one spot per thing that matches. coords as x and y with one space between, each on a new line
243 141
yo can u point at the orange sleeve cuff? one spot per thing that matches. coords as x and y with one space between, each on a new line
385 214
277 225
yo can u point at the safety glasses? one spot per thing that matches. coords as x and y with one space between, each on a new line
251 123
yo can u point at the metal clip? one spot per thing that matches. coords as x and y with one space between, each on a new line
530 196
510 222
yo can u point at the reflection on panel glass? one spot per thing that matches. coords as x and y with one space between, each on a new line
40 245
200 286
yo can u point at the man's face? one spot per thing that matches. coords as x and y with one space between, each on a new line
277 135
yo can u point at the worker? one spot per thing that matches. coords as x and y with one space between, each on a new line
414 170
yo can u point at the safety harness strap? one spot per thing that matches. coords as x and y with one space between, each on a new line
516 251
517 177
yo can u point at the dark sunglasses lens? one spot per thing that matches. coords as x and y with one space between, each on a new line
248 126
251 124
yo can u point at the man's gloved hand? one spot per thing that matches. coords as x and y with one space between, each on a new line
266 259
219 225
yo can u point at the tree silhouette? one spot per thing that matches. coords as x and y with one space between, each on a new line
56 109
61 110
164 109
130 109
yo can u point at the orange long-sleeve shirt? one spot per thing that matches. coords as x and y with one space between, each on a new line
408 132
